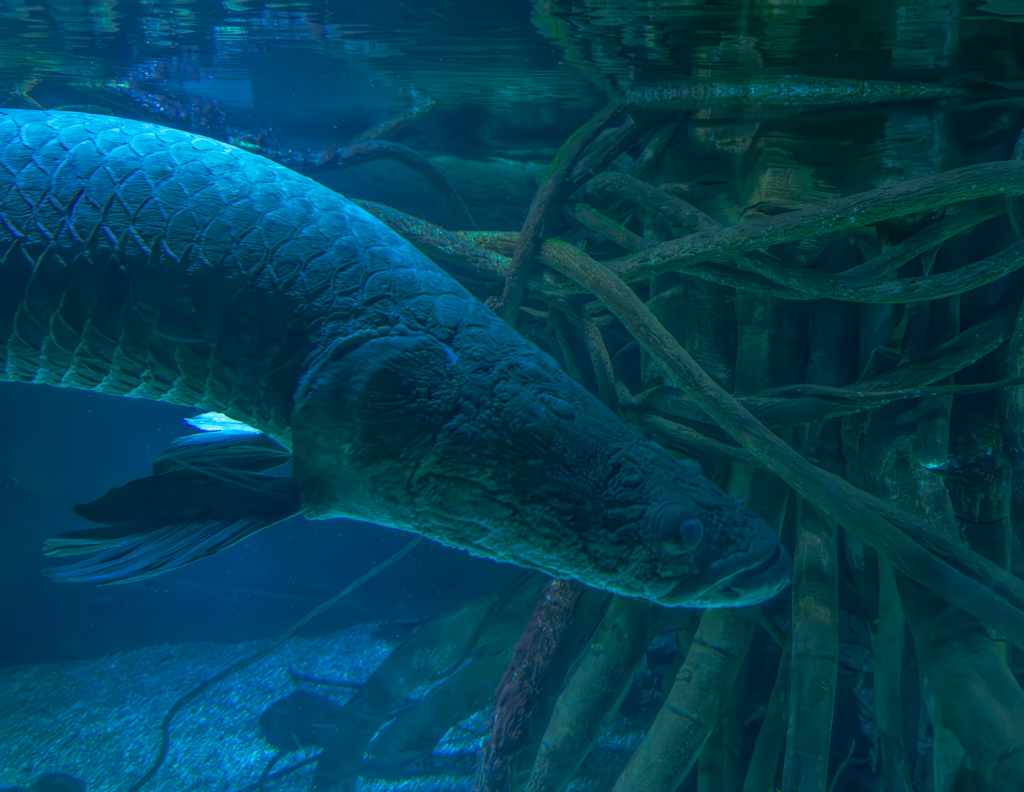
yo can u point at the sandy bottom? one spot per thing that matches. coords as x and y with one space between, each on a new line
100 719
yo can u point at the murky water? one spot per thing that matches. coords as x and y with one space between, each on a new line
814 207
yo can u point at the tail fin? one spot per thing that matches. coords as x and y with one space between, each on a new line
208 493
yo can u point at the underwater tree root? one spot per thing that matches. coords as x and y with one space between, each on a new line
529 239
976 698
797 285
259 654
974 584
369 150
522 683
772 735
685 720
814 651
843 214
487 252
814 660
594 691
421 106
842 766
620 187
439 243
606 228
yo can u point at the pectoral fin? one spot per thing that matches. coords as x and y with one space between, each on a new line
204 498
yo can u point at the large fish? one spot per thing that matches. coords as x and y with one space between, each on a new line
144 261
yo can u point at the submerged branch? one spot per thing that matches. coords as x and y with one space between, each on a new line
621 187
892 258
793 284
690 442
814 651
529 240
802 285
421 106
967 580
439 243
488 254
802 404
690 711
594 690
843 214
781 92
772 736
370 150
888 644
605 227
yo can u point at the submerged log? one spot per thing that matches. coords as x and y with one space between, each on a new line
690 711
594 691
521 685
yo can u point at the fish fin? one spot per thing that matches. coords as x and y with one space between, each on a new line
155 552
162 522
218 422
90 540
229 450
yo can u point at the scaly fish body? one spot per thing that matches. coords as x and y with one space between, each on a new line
148 262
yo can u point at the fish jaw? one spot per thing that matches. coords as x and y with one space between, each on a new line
747 579
491 448
738 559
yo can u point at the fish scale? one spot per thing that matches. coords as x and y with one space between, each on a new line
149 262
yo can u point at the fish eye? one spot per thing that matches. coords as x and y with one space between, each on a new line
677 529
690 533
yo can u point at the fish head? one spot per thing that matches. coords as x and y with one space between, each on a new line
706 549
503 455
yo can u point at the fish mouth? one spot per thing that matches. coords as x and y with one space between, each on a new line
749 584
753 585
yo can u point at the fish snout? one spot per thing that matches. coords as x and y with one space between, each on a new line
749 577
755 584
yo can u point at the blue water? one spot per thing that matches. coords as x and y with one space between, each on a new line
489 91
